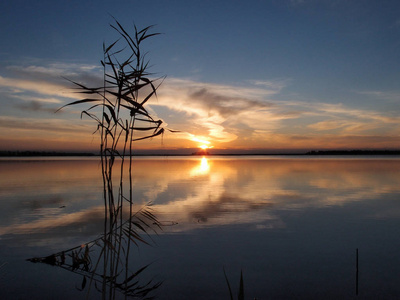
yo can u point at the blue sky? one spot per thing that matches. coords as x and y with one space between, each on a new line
285 74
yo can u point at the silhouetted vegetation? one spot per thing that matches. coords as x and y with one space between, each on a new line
44 153
354 152
241 286
118 108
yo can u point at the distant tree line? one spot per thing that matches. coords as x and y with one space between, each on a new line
43 153
354 152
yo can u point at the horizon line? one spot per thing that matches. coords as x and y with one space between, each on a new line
233 152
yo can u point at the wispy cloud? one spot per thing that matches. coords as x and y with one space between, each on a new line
47 125
43 87
218 109
42 100
54 70
346 120
47 83
382 95
35 106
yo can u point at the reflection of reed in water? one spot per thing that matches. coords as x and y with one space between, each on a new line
118 108
104 261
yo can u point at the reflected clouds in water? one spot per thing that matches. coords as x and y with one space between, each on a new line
193 191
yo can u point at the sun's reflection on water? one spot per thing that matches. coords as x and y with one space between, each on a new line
202 169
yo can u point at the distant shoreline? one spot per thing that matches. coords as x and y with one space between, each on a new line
310 153
42 153
354 152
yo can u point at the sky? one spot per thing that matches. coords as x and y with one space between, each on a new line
241 76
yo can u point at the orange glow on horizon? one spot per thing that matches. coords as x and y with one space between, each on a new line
203 143
204 147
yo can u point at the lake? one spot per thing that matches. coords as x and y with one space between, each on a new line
290 224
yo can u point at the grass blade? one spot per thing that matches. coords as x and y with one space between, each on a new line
241 288
227 282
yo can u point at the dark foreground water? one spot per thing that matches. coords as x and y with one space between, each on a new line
290 224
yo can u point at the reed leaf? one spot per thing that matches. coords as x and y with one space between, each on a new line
173 131
134 237
241 287
124 33
85 88
161 131
228 284
78 102
106 117
94 117
144 128
110 46
148 97
112 112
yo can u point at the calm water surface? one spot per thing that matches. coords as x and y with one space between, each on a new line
291 224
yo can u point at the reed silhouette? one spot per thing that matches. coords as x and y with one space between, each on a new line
118 108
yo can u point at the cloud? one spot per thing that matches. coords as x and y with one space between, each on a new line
225 115
42 100
217 109
223 105
56 71
344 125
383 95
48 83
34 106
347 120
233 113
40 124
273 85
227 112
42 87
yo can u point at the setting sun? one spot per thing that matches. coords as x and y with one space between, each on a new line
204 144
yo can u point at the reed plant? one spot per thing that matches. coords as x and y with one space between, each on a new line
119 109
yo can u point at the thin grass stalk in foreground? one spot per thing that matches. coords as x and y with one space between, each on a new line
241 286
229 286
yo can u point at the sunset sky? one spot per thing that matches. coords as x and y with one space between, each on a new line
277 75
